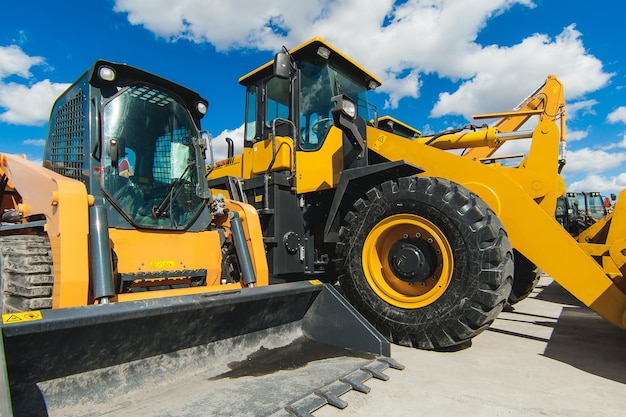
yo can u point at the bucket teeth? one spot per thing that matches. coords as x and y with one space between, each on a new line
331 393
356 384
392 363
332 399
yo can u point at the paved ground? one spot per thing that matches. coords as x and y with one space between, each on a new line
551 356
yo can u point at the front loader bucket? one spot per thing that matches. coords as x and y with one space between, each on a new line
285 349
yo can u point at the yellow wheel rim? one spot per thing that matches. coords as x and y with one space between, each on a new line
381 245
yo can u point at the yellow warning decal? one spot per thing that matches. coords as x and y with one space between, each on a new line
11 318
162 264
315 282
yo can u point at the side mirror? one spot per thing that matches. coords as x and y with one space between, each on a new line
282 65
117 149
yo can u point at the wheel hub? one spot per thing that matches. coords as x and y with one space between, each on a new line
412 260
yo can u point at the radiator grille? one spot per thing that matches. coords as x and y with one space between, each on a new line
67 138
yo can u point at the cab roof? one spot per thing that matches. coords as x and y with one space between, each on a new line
308 52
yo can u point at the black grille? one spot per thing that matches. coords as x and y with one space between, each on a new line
66 152
162 170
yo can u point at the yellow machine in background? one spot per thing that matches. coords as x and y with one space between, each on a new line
424 241
122 277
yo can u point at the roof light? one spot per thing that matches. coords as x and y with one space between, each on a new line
373 85
106 73
201 107
323 52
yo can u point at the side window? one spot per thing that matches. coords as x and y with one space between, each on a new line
251 114
277 101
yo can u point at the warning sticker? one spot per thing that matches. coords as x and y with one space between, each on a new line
162 264
11 318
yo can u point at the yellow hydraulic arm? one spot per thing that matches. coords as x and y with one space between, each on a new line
547 102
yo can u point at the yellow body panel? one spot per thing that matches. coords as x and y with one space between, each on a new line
315 170
229 167
155 251
321 169
64 202
273 155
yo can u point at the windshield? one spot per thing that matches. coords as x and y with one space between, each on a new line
148 167
317 87
596 207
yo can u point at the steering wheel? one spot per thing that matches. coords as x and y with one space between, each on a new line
321 125
130 197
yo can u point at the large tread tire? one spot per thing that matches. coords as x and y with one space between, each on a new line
26 275
478 283
526 277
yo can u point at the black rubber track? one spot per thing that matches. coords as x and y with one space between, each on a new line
482 256
526 277
26 276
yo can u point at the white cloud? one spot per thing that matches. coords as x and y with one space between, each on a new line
576 135
412 38
501 74
24 104
13 61
618 115
599 183
583 106
34 142
592 161
28 105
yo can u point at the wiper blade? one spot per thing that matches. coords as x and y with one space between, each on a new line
162 209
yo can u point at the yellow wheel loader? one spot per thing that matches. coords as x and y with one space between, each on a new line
128 289
576 211
424 241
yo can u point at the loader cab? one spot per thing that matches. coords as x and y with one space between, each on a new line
134 140
295 95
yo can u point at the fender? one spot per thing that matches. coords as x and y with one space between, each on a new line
352 184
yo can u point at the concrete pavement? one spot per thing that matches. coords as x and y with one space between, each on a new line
551 356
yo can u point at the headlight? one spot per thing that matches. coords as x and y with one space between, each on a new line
201 107
348 108
106 73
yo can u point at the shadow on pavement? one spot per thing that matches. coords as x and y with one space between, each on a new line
583 339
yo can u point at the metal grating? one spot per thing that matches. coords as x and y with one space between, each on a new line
66 151
162 169
151 95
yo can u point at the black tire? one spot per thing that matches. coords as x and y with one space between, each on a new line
26 276
525 278
426 262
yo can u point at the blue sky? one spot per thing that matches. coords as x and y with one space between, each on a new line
440 60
